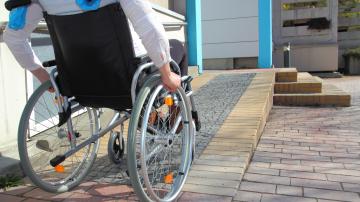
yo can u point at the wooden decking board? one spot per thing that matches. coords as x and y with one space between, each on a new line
242 129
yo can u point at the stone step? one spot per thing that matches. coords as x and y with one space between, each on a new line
330 96
306 83
286 75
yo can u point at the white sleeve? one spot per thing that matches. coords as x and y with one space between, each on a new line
149 28
18 40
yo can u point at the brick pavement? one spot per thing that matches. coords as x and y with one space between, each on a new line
308 154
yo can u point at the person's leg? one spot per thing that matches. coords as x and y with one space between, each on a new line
179 55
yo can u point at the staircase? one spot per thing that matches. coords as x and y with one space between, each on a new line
302 89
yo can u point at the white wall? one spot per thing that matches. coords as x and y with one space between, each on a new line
230 28
12 93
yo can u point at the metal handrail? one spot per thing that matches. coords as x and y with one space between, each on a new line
42 25
43 28
168 12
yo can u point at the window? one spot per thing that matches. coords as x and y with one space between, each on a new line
312 23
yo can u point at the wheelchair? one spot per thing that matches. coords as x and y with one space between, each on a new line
60 130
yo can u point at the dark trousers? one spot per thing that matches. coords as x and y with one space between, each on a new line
179 55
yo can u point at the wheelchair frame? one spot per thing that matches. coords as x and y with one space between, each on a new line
117 118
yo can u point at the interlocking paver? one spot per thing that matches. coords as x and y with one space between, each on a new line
351 187
43 195
316 184
343 178
257 187
267 179
291 167
222 191
34 200
196 197
213 182
328 194
304 175
263 171
215 175
10 198
319 152
247 196
289 190
20 190
282 198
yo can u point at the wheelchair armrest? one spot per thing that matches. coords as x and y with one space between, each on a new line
49 63
142 60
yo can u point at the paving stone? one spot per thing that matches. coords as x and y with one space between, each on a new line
222 191
316 184
289 190
304 175
343 178
282 198
10 198
218 168
336 171
110 190
17 191
247 196
332 195
43 195
196 197
88 198
257 187
222 158
267 179
351 187
215 175
290 161
220 163
34 200
257 158
263 171
311 157
213 182
322 164
291 167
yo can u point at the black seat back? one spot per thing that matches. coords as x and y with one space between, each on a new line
94 56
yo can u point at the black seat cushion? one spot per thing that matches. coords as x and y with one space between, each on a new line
94 56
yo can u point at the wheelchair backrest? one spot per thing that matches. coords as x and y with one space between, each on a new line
94 56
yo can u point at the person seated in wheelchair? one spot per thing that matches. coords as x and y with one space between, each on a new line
98 54
147 34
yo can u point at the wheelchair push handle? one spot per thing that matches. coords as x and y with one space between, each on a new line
11 4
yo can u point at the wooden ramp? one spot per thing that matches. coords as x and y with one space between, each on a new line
220 168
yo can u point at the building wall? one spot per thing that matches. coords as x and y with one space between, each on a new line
12 92
349 38
163 3
304 40
230 30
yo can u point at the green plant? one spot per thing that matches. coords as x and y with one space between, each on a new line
10 181
354 52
